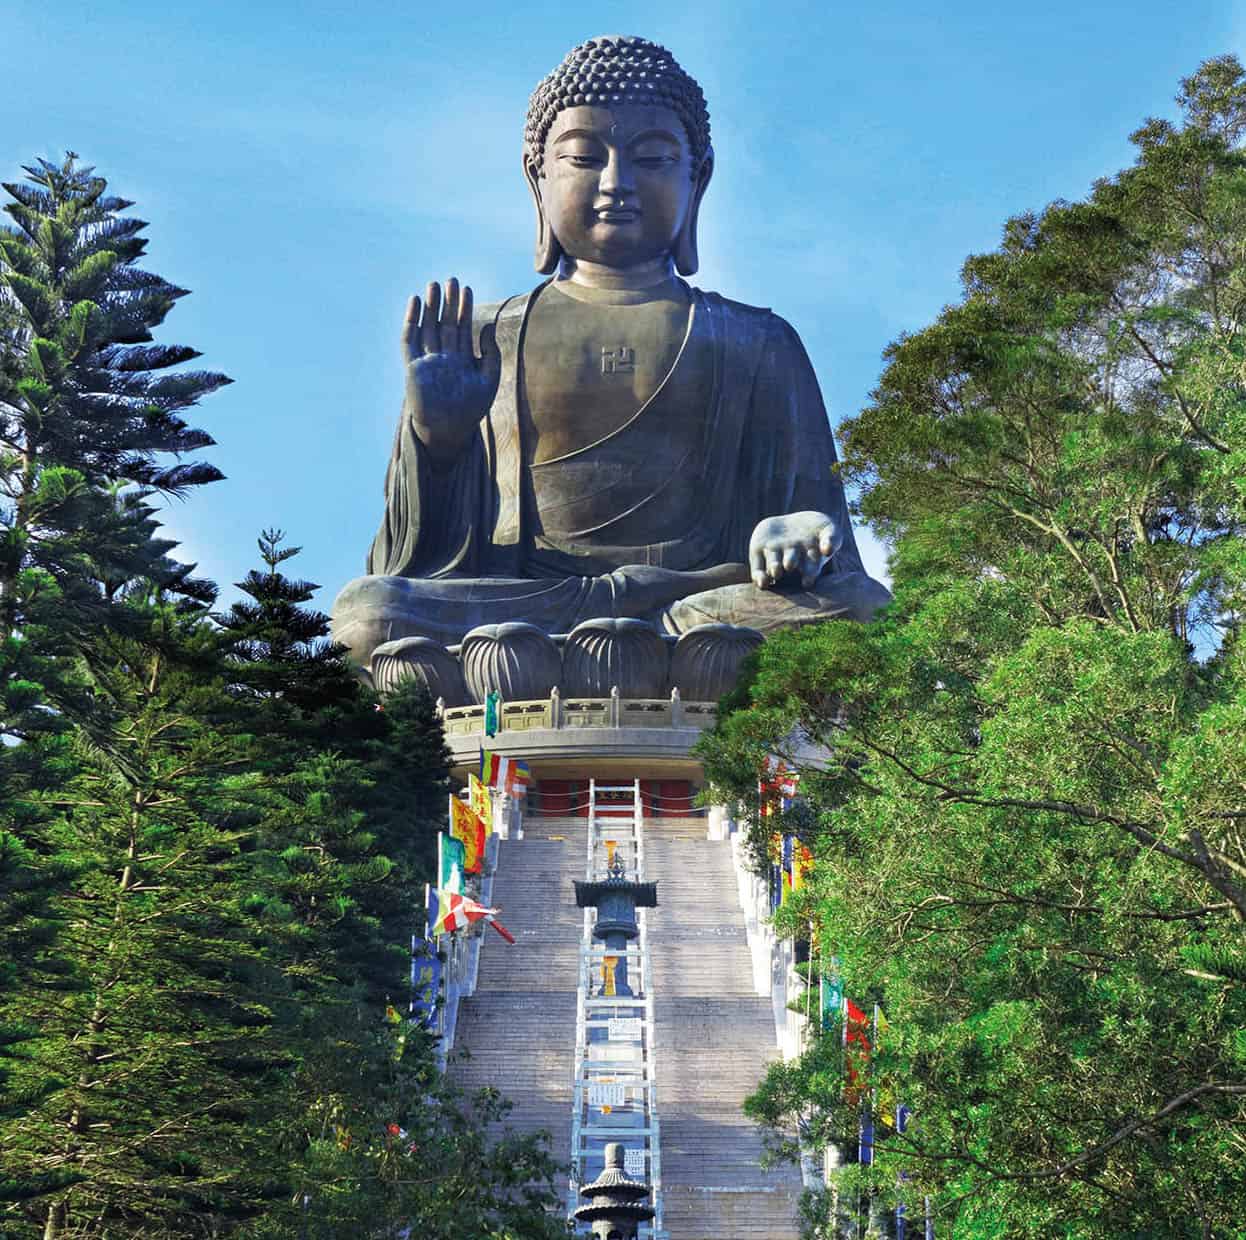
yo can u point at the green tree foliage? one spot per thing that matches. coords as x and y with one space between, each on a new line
142 1091
90 412
353 793
213 839
214 1042
1028 822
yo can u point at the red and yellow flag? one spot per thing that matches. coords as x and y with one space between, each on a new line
801 866
480 801
858 1037
470 832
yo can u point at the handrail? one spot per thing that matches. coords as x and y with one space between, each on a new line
627 831
650 1042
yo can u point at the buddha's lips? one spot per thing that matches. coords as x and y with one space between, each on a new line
618 215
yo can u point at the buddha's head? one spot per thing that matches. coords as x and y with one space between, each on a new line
617 155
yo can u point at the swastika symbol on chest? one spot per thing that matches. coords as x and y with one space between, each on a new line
620 361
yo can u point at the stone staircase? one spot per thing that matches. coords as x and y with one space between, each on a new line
517 1032
714 1037
714 1034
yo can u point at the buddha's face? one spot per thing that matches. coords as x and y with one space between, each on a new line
617 184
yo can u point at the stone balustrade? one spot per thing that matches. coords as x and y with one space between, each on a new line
556 712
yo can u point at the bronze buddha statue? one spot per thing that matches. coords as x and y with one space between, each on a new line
616 442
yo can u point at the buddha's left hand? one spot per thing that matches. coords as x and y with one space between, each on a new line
800 543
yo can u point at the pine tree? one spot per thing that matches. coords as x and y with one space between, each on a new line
353 792
90 410
138 1106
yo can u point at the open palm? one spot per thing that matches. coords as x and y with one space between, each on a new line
449 388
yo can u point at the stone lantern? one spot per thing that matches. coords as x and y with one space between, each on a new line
616 1205
616 899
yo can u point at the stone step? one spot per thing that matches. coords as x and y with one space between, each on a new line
713 1035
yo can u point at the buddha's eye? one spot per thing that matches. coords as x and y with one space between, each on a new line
655 162
582 161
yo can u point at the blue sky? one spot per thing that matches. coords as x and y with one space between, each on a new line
305 166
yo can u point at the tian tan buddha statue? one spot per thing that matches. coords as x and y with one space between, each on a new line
614 443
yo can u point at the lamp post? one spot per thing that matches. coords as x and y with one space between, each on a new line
616 899
616 1204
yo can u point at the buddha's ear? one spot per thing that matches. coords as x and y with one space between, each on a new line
548 251
686 258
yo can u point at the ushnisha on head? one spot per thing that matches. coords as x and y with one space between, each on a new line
617 155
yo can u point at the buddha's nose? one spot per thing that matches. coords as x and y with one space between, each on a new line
616 177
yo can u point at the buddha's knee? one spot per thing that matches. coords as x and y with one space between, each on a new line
842 596
372 610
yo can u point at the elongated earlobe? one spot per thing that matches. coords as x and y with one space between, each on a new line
686 258
548 251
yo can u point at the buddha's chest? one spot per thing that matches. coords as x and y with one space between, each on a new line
589 370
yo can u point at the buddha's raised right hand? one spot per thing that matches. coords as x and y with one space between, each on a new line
449 388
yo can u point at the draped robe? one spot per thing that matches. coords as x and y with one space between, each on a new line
618 527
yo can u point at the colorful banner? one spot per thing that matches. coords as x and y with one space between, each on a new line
470 832
425 982
459 912
831 988
802 867
858 1028
885 1101
492 702
479 799
450 856
505 774
608 966
865 1143
431 911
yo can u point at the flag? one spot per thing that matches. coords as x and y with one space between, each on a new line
786 869
777 785
470 832
507 774
494 769
425 981
608 966
801 867
857 1031
480 801
831 988
492 701
865 1144
462 911
450 855
885 1090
